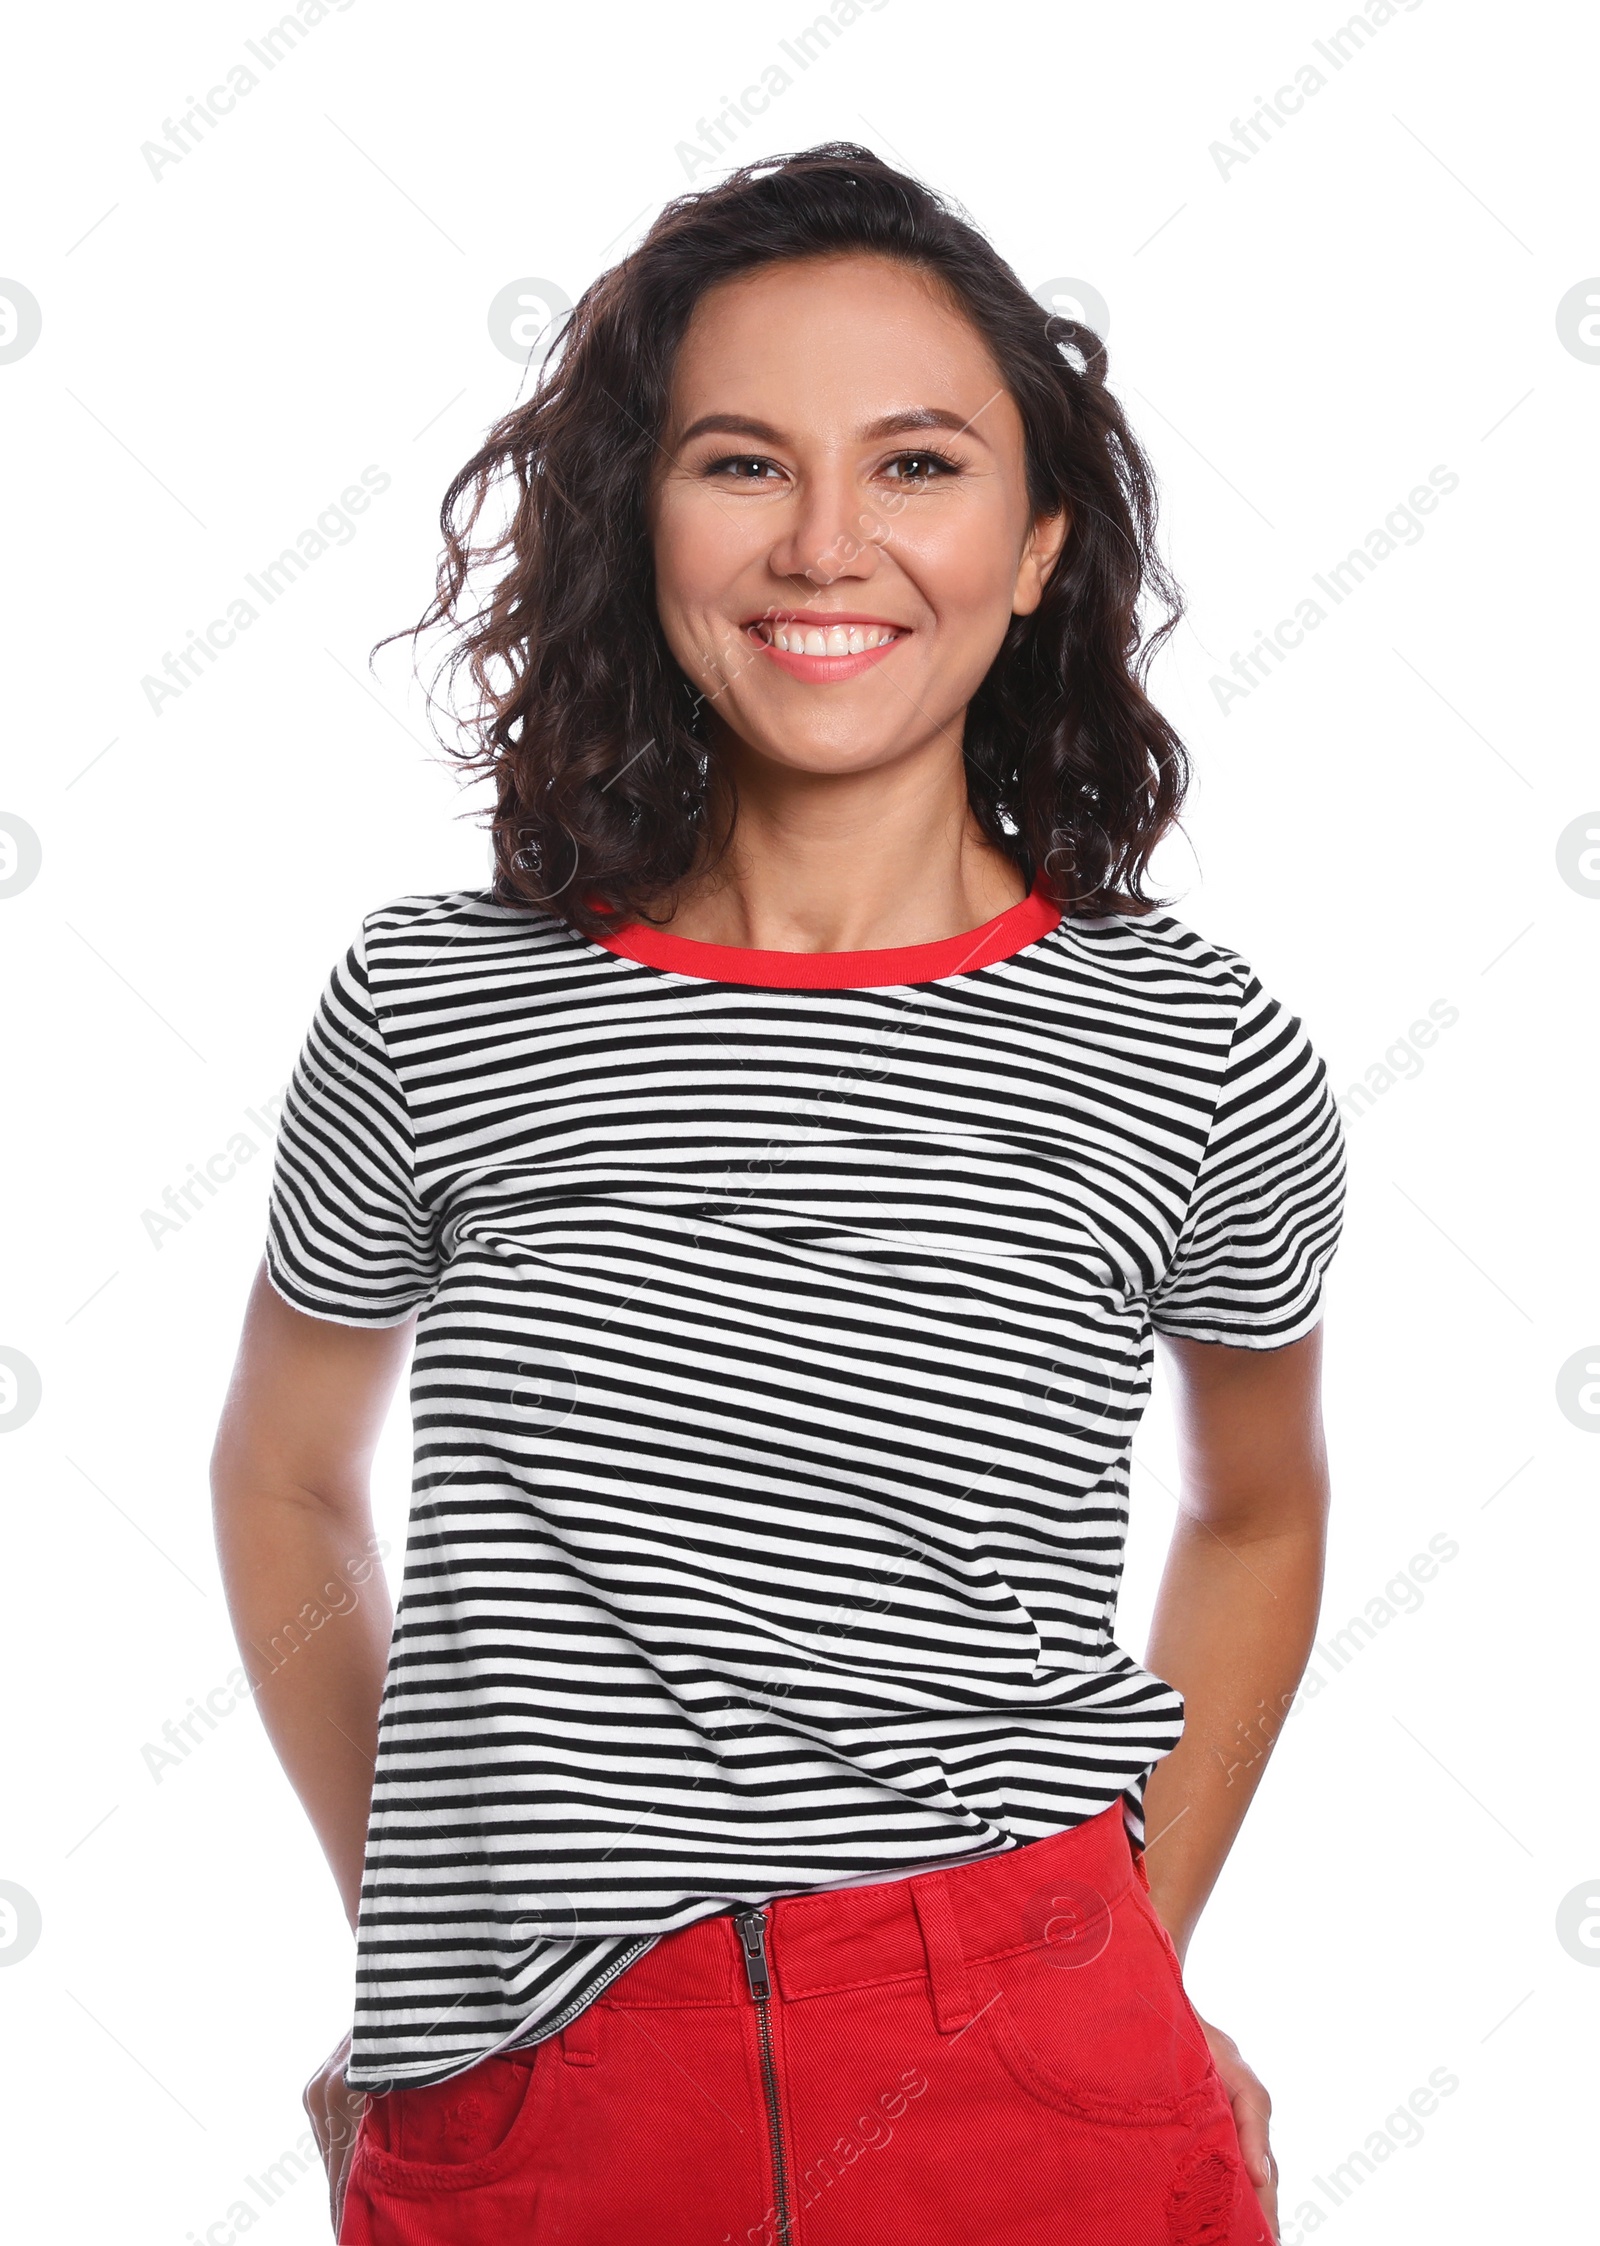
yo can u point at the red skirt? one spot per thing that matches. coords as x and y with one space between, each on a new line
995 2056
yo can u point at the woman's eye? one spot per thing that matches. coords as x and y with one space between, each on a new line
744 468
921 467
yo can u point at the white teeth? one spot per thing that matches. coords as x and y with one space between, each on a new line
833 639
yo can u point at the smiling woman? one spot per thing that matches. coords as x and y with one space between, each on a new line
947 535
752 1826
798 375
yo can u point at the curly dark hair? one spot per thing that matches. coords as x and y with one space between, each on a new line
581 714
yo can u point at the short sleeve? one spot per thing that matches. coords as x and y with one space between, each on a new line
1264 1218
347 1237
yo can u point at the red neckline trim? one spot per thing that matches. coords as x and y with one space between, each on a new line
1010 931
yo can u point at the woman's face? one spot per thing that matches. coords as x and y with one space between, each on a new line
841 523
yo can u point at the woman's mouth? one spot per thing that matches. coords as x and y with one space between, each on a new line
823 648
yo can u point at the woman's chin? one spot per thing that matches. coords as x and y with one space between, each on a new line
827 758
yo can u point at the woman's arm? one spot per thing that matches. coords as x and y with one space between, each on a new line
1237 1609
1234 1623
307 1596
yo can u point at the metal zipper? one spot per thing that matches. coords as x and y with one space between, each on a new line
752 1927
585 1997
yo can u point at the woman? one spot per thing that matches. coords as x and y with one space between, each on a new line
781 1171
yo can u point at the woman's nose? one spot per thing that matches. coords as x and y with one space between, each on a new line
832 533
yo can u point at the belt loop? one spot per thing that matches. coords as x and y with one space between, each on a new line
941 1942
580 2038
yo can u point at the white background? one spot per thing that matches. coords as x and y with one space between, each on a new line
224 348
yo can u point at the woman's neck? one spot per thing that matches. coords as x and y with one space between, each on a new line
846 862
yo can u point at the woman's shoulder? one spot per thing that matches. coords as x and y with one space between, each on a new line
457 932
1155 941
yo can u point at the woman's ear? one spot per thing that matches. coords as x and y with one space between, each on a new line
1039 557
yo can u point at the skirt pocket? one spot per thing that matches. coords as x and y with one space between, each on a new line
465 2148
1103 2032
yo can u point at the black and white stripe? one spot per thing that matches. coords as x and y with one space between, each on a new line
779 1355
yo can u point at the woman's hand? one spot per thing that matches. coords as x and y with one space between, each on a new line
336 2110
1252 2109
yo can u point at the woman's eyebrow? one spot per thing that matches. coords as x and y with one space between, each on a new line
926 417
732 425
890 425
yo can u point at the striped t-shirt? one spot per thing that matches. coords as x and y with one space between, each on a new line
785 1319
